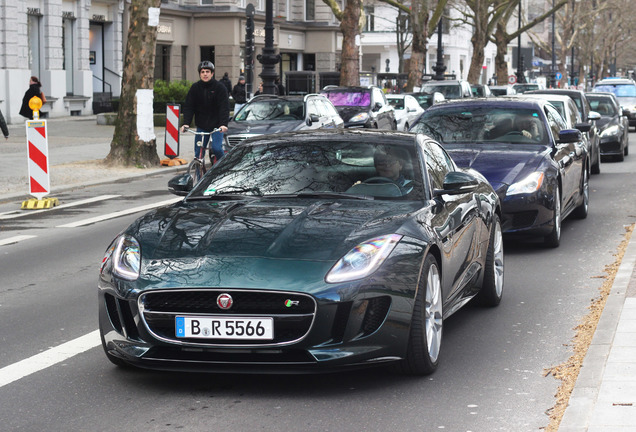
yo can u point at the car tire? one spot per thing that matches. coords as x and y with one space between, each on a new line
492 287
554 238
596 166
425 336
626 151
406 127
581 211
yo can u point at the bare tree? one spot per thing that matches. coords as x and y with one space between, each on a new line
422 23
352 21
127 148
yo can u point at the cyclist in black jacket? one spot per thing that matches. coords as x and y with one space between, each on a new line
207 102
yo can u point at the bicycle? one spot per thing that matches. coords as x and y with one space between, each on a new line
197 168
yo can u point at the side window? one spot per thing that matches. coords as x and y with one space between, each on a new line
555 121
438 163
312 108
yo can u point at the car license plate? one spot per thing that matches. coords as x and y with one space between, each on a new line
237 328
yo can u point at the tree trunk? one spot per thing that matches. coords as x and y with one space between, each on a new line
501 66
419 23
127 148
350 56
477 60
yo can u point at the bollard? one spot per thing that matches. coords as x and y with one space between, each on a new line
38 165
171 148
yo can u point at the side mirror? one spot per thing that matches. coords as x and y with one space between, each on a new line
625 112
181 185
583 127
457 182
569 136
593 115
377 106
313 118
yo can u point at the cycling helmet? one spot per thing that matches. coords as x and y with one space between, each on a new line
206 65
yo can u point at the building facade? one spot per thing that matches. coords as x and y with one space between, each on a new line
76 47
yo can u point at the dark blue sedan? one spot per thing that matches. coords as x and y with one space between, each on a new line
538 167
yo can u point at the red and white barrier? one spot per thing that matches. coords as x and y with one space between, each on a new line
38 154
171 148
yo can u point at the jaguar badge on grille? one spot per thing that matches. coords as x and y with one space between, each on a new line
224 301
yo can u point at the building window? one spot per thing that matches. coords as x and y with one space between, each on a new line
207 53
309 62
184 61
162 62
206 2
310 10
369 11
33 35
67 52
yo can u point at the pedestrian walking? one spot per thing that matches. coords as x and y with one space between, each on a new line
35 89
3 126
207 102
239 94
227 83
280 87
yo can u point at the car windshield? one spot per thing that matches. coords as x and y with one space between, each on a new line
272 109
483 125
396 103
477 91
603 106
349 98
450 91
620 90
322 167
425 100
521 88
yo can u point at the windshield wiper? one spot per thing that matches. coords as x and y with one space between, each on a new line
322 195
230 190
223 197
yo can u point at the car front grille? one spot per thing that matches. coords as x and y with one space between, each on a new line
234 140
293 313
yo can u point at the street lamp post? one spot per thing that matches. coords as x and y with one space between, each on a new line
439 67
520 73
269 58
553 67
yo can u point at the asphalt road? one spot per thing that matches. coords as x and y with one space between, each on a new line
491 376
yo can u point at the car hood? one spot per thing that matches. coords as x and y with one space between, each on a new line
502 165
605 121
347 112
263 127
298 229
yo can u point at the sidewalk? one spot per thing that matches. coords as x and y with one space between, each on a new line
77 146
604 397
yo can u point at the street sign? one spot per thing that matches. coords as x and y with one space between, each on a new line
512 79
38 153
558 75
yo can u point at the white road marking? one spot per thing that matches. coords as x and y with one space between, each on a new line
15 239
118 214
19 213
50 357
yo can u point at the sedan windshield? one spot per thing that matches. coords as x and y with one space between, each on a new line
450 91
620 90
483 125
361 99
315 169
272 110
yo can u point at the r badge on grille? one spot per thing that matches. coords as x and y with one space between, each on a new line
224 301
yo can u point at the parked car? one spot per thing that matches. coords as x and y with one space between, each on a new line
502 90
266 114
406 108
481 90
524 87
428 99
538 165
625 91
613 125
298 252
451 89
362 107
567 108
588 116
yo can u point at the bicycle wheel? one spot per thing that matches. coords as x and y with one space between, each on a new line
196 169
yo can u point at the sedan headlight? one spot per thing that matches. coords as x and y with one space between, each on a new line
610 131
530 184
363 259
362 117
126 255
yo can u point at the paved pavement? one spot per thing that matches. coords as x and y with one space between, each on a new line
604 398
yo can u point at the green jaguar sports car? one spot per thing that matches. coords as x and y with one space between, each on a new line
305 252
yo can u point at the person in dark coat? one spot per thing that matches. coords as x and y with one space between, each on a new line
227 83
3 126
239 94
207 102
35 89
280 87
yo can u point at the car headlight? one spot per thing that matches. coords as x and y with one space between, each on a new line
126 255
612 130
359 117
363 259
530 184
